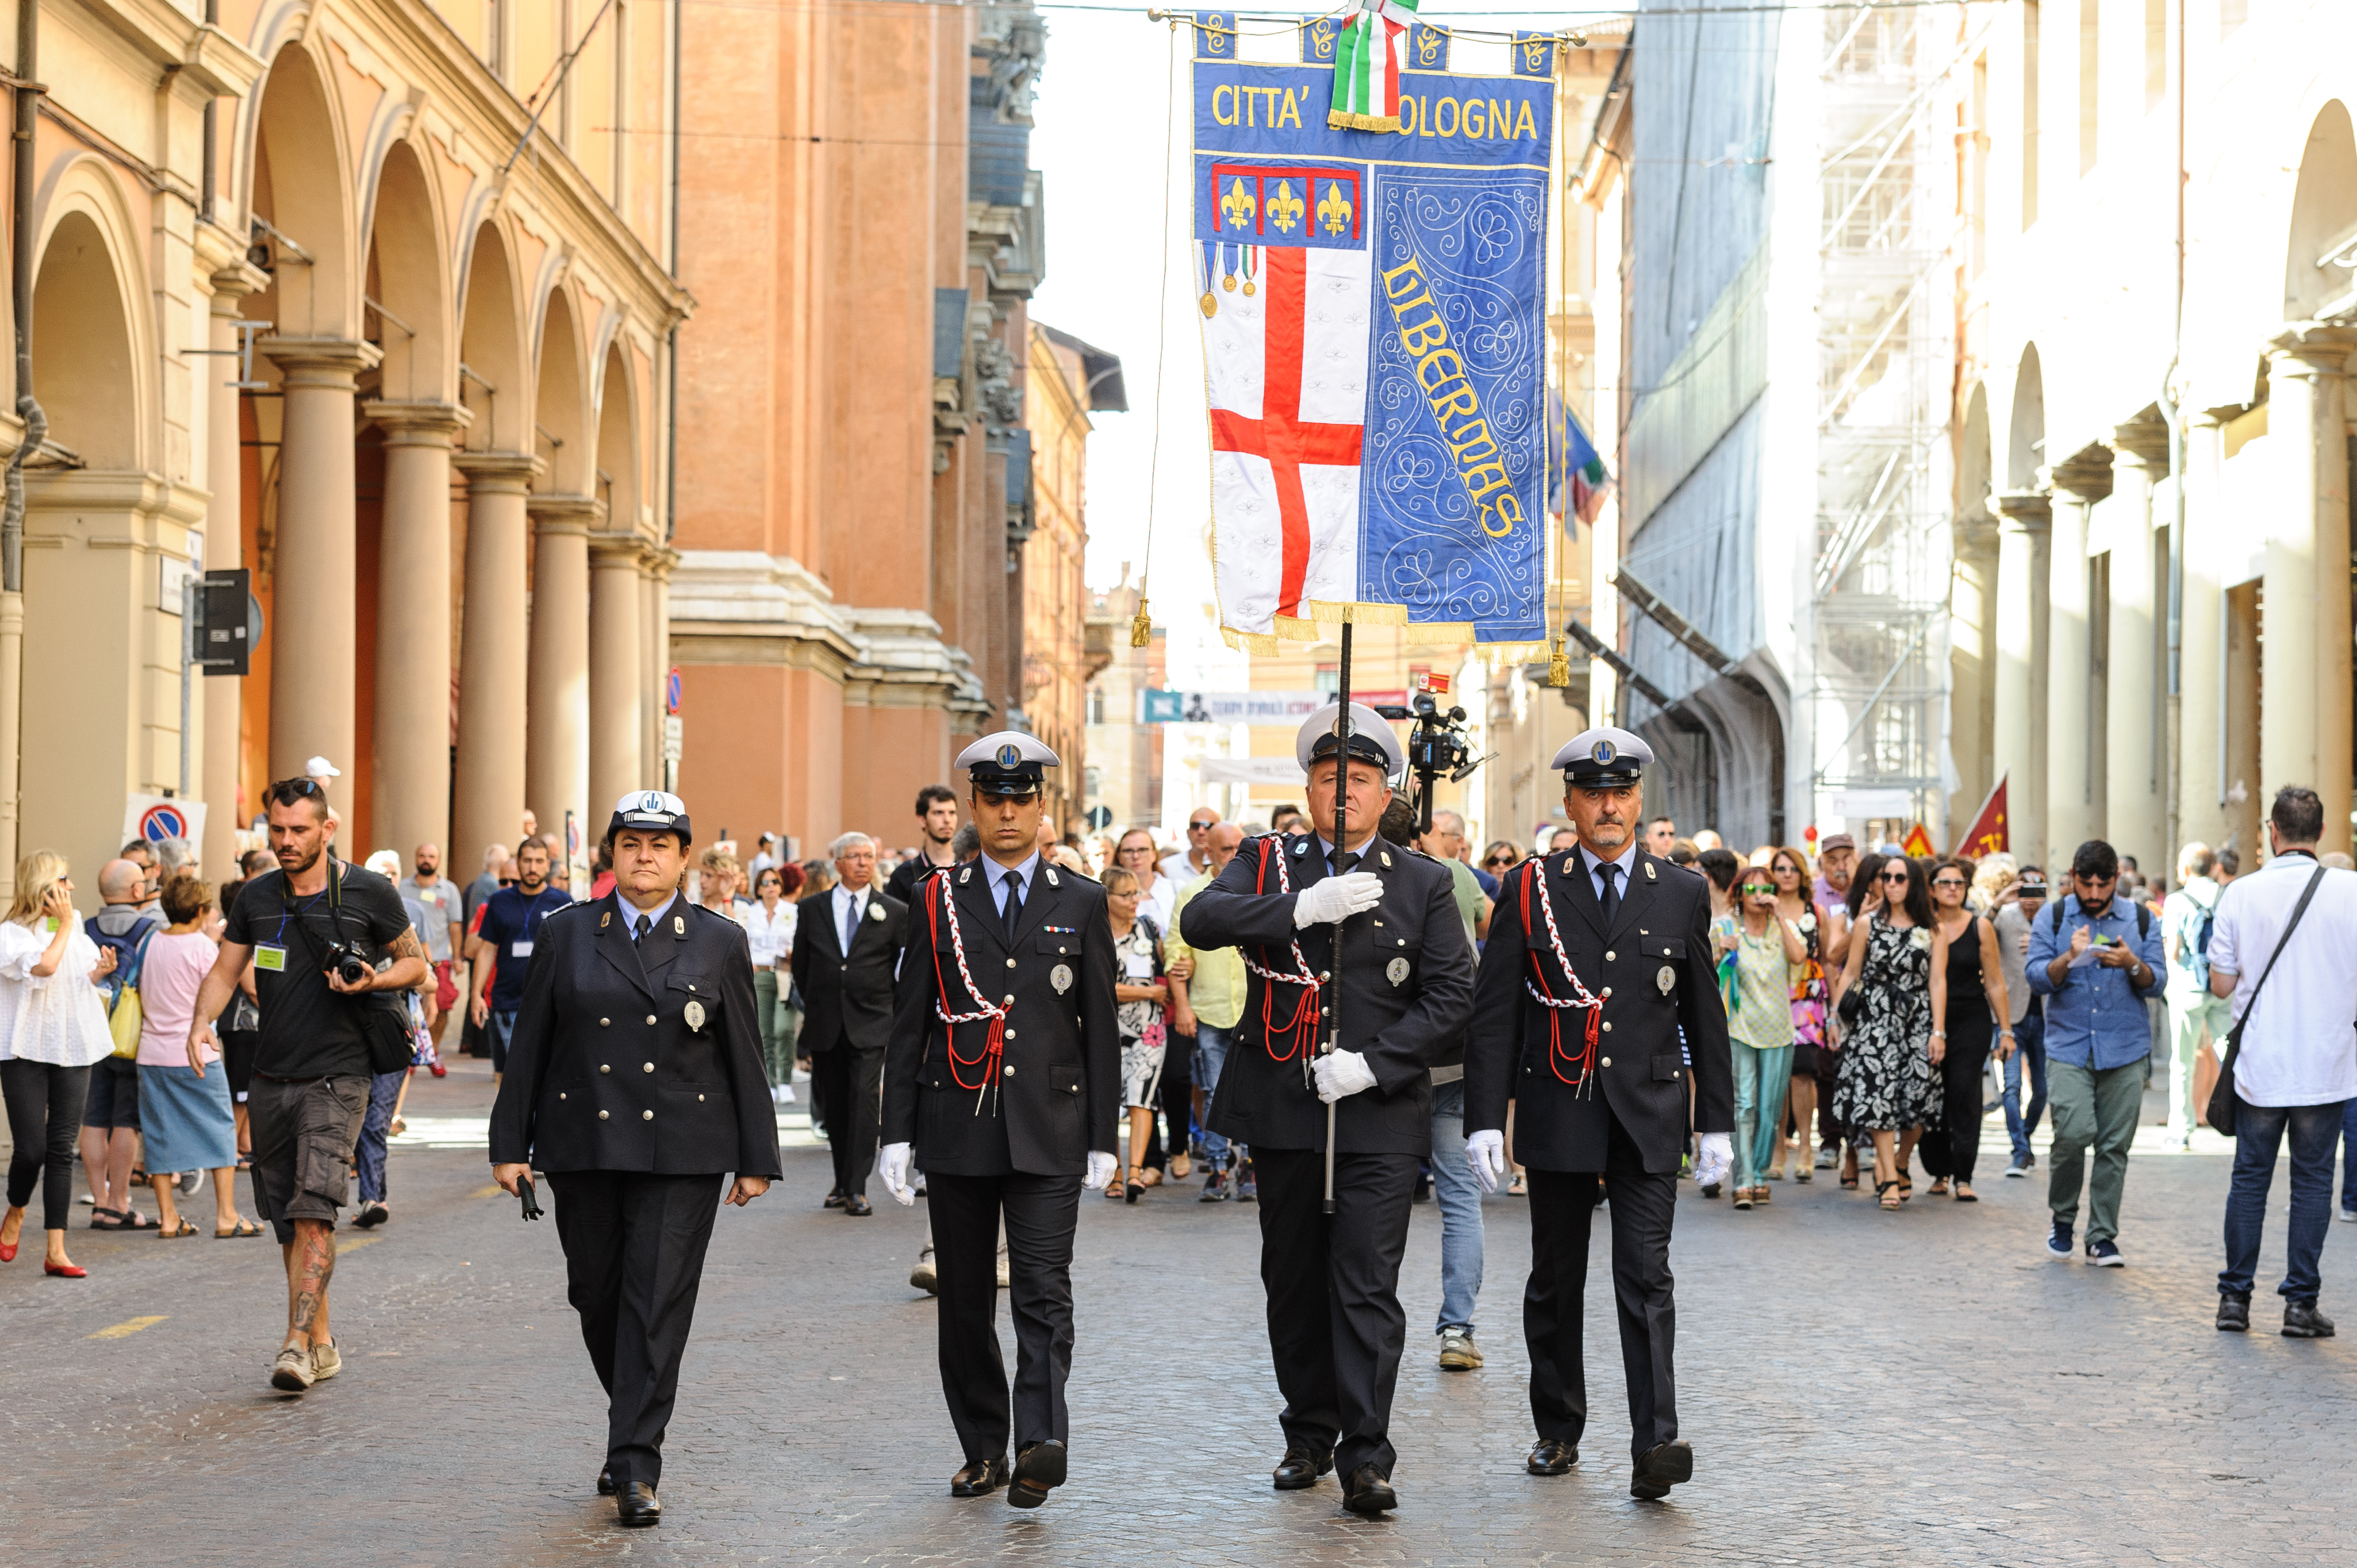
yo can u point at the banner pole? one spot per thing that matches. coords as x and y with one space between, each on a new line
1341 811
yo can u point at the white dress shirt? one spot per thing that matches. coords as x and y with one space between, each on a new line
850 907
2301 1047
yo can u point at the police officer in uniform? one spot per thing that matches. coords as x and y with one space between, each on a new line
1382 939
1001 1079
635 1079
1597 957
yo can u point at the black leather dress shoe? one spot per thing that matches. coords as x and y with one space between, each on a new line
1551 1456
858 1207
2234 1315
605 1480
1301 1468
1368 1491
638 1506
1038 1467
834 1199
980 1479
2302 1321
1661 1466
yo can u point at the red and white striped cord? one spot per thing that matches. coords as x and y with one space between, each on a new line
1580 998
1304 1026
994 1043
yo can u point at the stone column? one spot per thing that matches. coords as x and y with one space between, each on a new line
2134 801
219 769
2203 671
2072 812
556 765
2304 717
618 680
2024 529
490 794
312 667
413 636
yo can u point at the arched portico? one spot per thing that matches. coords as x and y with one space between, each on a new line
565 513
2018 682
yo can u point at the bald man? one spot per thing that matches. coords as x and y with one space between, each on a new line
110 1123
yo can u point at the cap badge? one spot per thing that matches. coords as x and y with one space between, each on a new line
1396 970
695 1015
1010 755
1061 977
651 801
1602 753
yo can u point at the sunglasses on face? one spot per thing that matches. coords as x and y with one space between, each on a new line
1894 877
1758 890
1948 882
1494 861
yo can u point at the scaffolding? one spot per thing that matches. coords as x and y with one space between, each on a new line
1878 597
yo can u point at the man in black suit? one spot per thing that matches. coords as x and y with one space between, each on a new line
634 1080
1599 957
1401 975
845 946
1002 1083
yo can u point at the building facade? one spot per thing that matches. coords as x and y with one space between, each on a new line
373 300
1070 381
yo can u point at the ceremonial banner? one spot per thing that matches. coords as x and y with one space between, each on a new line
1988 835
1375 339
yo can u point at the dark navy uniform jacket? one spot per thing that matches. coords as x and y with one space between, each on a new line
1406 985
1028 1106
636 1055
1653 972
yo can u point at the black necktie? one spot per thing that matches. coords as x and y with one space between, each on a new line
1014 909
1610 872
1351 859
645 924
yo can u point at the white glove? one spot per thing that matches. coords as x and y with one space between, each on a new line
1486 1152
1337 898
1342 1074
892 1169
1101 1169
1713 1158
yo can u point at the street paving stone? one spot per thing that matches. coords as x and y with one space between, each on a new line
1919 1388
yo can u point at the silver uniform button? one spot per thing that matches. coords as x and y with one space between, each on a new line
1010 964
1010 1070
650 1018
1010 1000
1323 977
601 1116
1608 955
699 1099
646 1115
649 1066
1606 1062
604 1022
1607 991
691 985
1010 1034
605 1067
1607 1026
560 1096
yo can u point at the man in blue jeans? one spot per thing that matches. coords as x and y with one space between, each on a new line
1206 996
2297 1066
2022 902
1460 1215
2095 958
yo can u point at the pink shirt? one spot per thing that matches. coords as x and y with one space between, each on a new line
169 979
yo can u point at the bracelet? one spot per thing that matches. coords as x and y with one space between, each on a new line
1938 1033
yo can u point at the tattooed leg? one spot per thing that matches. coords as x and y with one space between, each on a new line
310 1264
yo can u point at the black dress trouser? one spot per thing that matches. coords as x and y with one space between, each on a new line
1335 1325
1563 1203
1041 1213
634 1245
848 1083
1954 1149
45 1105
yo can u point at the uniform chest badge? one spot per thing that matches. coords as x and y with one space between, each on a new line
1396 972
1665 978
1061 977
694 1015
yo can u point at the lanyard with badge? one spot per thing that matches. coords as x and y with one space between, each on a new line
270 957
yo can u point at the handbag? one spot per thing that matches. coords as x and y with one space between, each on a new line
126 1015
2223 1100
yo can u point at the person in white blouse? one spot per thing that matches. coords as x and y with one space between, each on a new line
1157 894
52 1027
770 926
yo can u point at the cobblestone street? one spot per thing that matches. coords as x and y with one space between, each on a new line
1919 1388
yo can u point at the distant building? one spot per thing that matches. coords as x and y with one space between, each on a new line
1122 779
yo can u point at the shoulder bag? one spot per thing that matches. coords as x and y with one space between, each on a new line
2224 1102
383 1015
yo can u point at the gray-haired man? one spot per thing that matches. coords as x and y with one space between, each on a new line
846 944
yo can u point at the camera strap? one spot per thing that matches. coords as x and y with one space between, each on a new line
290 914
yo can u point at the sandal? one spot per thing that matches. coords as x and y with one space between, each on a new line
1518 1188
1882 1190
106 1218
245 1227
1803 1176
1965 1194
1849 1180
1906 1185
183 1228
1939 1187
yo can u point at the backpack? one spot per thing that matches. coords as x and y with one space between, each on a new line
2143 922
120 989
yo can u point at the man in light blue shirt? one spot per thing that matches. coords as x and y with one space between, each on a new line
2095 958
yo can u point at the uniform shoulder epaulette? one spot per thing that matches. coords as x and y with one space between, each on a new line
568 909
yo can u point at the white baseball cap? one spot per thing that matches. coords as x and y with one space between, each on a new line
320 768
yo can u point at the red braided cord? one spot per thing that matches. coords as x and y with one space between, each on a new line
1303 1027
993 1044
1584 1058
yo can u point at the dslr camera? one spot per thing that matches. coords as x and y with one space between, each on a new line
350 966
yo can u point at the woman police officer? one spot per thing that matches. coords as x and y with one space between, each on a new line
635 1079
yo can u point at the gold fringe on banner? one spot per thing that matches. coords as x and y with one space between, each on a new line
1341 120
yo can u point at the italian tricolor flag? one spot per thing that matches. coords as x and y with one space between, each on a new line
1366 67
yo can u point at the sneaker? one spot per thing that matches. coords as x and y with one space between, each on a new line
1710 1190
2020 1167
2058 1245
1828 1157
2348 1216
2103 1254
2234 1314
291 1373
1215 1188
1459 1354
922 1276
326 1361
190 1181
2302 1321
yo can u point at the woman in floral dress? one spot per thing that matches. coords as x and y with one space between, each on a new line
1889 1083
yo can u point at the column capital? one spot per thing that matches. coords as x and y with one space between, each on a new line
2308 348
616 547
2030 511
329 363
556 513
425 424
2086 475
2145 441
495 472
232 282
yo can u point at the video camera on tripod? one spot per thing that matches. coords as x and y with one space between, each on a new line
1436 746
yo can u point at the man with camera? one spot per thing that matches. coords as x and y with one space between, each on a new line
321 935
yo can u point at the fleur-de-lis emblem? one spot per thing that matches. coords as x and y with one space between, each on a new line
1285 209
1239 206
1334 211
